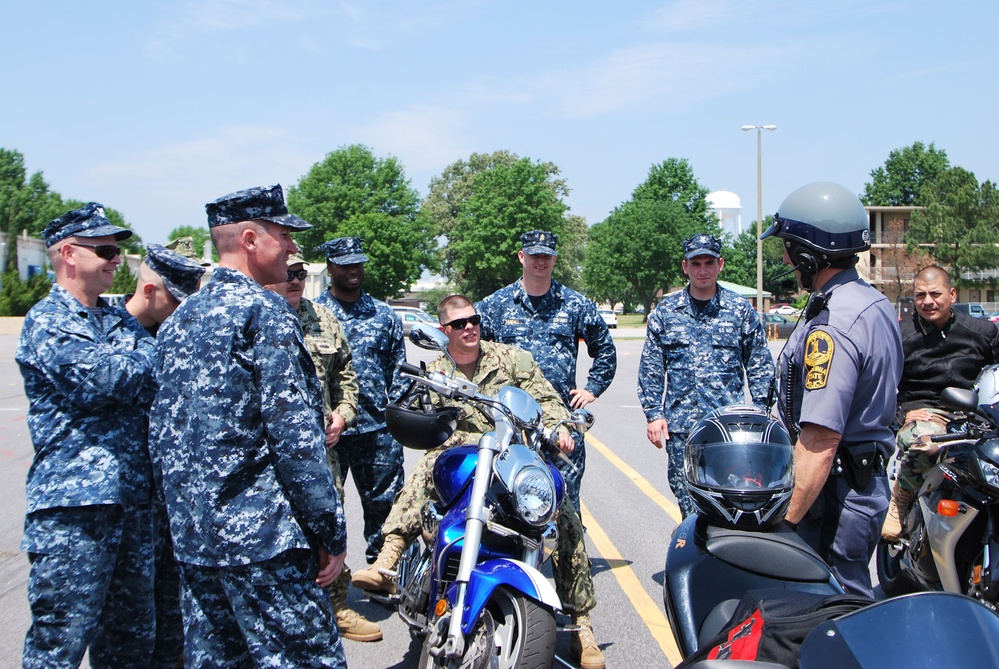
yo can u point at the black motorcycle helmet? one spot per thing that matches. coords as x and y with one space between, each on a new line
739 465
416 423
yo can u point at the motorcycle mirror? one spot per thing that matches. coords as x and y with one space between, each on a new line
428 337
582 419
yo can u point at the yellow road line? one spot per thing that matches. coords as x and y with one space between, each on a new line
626 578
650 491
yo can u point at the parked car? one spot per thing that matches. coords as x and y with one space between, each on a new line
973 309
783 325
784 309
411 316
994 317
610 318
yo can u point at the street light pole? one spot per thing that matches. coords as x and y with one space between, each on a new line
759 209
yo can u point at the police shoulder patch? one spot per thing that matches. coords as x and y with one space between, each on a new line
819 349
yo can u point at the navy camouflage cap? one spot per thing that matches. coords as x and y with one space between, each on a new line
264 203
90 220
343 251
181 276
539 242
701 244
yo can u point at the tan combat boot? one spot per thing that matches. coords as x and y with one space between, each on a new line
356 627
372 579
584 645
900 498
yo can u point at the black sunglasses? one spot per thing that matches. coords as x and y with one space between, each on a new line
460 323
299 274
106 251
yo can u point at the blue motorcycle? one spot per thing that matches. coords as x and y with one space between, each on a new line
473 588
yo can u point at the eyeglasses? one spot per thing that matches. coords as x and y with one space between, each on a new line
106 251
460 323
299 274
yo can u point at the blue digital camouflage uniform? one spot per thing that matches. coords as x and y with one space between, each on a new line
88 377
841 370
502 365
375 335
237 430
708 356
551 333
327 343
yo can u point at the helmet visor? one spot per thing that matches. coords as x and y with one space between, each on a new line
742 467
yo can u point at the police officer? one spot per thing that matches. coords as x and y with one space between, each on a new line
237 431
165 279
331 354
88 532
374 332
540 315
491 366
838 377
704 338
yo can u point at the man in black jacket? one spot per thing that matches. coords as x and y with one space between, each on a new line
943 348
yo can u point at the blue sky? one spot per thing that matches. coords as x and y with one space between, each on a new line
156 107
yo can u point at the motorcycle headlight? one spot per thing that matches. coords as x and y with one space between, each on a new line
990 472
534 495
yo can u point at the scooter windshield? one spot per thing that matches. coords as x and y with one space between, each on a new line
927 629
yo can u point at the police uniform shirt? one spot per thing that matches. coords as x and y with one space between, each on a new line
237 429
847 362
374 332
88 379
551 333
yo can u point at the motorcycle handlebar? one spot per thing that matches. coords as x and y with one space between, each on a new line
409 368
955 436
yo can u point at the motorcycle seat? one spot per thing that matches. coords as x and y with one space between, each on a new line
778 553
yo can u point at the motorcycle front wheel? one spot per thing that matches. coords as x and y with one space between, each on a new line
889 565
513 633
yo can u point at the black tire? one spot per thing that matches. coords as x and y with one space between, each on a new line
890 576
523 632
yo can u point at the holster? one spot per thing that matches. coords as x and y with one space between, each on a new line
858 462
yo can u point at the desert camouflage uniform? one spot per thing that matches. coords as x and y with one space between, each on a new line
327 343
551 333
376 342
501 365
237 431
704 353
88 377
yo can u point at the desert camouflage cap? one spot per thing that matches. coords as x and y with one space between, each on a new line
296 259
539 242
343 251
263 203
185 246
701 244
180 275
90 220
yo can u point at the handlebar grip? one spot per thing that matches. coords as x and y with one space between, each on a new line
955 436
409 368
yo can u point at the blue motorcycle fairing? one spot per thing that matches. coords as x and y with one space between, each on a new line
453 471
492 574
559 484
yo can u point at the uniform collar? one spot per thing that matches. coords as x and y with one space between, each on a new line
520 295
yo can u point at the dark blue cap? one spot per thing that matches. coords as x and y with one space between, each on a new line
90 220
180 275
701 244
264 203
343 251
539 242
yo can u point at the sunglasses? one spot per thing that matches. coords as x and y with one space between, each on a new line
106 251
460 323
299 274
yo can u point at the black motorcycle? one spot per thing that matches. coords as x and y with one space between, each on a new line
948 541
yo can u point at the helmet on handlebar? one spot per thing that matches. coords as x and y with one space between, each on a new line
739 465
416 423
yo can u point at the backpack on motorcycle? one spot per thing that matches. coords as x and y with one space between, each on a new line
770 625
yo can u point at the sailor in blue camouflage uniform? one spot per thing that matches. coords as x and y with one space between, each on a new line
238 435
374 332
707 340
88 376
540 315
838 375
165 279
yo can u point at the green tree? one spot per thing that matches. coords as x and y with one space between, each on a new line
353 193
740 262
17 297
450 190
481 255
959 222
673 180
125 280
900 181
